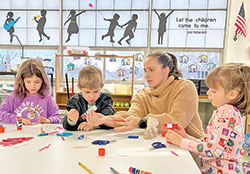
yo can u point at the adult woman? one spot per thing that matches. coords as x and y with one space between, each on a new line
168 99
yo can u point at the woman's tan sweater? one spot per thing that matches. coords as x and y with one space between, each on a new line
173 101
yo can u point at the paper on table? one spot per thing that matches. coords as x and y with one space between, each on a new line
146 152
115 136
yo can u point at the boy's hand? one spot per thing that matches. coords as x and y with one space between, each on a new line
43 120
96 119
131 123
85 126
26 121
173 137
73 115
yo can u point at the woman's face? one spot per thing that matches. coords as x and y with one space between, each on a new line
154 73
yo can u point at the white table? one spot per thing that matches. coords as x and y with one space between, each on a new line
62 158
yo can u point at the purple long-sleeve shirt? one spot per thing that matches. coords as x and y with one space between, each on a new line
31 107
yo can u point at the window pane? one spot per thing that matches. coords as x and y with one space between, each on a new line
5 5
86 4
217 4
88 20
122 4
219 35
140 4
34 4
105 4
86 37
18 4
161 4
48 4
201 4
69 4
179 4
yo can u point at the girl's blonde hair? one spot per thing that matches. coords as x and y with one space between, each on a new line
27 69
233 76
90 77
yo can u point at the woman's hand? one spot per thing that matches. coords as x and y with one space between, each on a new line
173 137
96 119
85 126
130 123
26 121
43 120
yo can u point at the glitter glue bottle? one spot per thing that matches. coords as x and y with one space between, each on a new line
94 108
19 121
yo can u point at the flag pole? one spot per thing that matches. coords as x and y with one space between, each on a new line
235 36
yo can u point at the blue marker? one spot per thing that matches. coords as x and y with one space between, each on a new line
42 134
133 136
64 134
80 137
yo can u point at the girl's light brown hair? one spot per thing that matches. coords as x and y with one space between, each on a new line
27 69
90 77
233 76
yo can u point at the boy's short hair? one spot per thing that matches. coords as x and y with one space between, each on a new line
90 77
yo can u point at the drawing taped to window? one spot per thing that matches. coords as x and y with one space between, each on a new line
9 24
112 26
40 24
131 25
72 27
162 25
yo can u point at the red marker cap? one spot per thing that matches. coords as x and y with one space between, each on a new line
101 151
1 129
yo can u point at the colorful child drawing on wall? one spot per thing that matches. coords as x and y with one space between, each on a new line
184 59
121 73
72 27
139 57
192 68
112 26
40 25
112 59
203 58
9 24
211 66
135 71
131 25
162 25
125 61
70 67
87 61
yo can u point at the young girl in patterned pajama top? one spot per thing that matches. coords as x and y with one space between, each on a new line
221 150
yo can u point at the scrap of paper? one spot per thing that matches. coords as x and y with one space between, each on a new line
13 141
46 147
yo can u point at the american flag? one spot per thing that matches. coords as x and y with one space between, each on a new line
241 22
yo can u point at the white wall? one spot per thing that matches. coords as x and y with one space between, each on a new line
237 51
